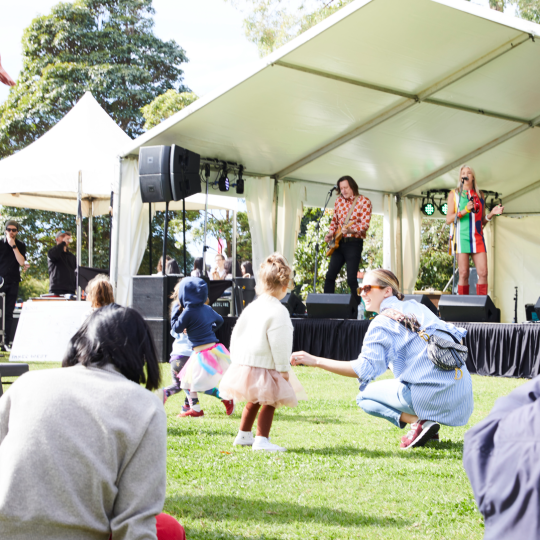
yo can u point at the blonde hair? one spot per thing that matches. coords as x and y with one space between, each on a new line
475 186
385 278
99 291
274 273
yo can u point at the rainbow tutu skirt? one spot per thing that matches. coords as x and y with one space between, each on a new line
204 369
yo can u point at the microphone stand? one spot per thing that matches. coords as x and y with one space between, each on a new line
454 240
317 228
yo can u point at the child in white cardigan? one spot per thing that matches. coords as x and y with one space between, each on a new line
261 346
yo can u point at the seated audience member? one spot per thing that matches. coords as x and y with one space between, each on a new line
197 267
247 269
501 455
172 266
99 292
218 272
83 447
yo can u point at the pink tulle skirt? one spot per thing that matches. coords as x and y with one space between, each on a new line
259 385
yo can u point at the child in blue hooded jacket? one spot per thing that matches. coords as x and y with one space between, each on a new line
210 359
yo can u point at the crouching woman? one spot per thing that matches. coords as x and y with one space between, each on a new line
421 394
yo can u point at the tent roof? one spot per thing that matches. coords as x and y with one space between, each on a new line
44 175
396 94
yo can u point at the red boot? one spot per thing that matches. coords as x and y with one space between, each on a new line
463 289
481 290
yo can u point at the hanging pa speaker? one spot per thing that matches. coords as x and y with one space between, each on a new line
154 175
468 308
184 169
331 306
424 300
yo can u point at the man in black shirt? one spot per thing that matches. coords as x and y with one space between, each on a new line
62 264
12 258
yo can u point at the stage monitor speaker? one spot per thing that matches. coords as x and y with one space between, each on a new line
151 298
184 169
248 289
331 306
154 174
466 308
531 314
294 304
424 300
537 308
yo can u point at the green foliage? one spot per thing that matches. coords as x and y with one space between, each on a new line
165 106
220 226
31 287
104 46
175 247
435 262
38 232
304 256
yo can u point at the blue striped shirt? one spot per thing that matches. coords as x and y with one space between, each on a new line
435 393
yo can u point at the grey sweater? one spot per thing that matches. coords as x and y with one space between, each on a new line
82 455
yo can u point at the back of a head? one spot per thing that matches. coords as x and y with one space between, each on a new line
386 278
172 267
198 264
99 291
192 291
274 274
118 336
228 266
248 268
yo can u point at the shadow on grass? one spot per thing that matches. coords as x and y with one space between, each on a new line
261 512
186 431
312 419
452 450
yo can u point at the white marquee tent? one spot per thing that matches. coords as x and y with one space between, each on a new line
397 94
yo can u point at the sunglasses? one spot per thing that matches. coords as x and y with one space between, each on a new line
367 288
9 229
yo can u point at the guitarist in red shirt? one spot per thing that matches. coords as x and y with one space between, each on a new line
352 214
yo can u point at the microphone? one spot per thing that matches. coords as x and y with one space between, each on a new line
464 179
334 188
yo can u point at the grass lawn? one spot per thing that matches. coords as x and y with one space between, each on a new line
342 477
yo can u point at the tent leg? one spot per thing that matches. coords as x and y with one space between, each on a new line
116 229
207 175
150 266
399 241
184 233
79 232
233 269
91 236
164 260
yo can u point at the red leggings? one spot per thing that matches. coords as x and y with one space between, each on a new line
168 528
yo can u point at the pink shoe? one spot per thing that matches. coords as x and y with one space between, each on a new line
191 412
421 432
229 406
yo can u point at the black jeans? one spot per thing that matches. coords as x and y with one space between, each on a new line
349 252
12 291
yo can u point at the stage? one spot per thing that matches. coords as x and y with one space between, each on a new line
501 350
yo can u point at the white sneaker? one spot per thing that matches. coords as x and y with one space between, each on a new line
244 438
262 443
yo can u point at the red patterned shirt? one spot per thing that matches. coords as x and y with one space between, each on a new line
360 217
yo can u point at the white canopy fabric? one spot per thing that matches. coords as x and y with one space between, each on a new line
397 94
44 175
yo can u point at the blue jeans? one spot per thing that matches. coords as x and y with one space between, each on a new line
387 399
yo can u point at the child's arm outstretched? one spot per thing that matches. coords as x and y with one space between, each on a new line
178 323
280 340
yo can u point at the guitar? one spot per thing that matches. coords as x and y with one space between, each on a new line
334 243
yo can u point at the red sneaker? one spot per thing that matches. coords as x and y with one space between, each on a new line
421 432
191 412
229 406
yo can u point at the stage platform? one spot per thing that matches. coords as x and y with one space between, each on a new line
501 350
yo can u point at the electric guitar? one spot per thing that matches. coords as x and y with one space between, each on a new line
334 243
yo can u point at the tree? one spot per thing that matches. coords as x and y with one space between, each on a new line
165 106
104 46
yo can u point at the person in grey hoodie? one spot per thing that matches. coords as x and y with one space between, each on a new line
83 447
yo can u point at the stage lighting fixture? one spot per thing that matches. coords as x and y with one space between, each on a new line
223 182
443 207
240 182
428 207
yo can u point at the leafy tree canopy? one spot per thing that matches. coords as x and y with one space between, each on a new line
104 46
165 106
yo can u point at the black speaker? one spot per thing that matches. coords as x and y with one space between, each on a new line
468 308
294 304
424 300
331 306
248 289
154 173
151 298
185 178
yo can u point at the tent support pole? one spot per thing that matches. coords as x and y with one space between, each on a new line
276 208
207 176
233 269
403 105
399 240
521 192
116 228
184 233
150 265
165 233
79 232
91 235
493 252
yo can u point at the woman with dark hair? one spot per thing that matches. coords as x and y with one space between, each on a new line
172 266
348 228
197 267
247 269
421 394
83 448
